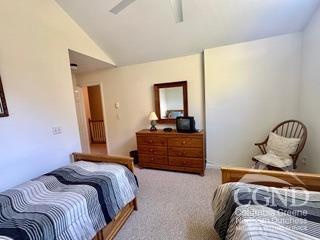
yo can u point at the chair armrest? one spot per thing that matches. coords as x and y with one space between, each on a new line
262 143
126 161
262 146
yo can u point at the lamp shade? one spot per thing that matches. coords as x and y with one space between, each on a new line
153 116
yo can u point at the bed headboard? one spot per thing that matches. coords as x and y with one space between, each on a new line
272 178
126 161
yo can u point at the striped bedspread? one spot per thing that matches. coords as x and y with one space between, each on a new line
72 202
250 212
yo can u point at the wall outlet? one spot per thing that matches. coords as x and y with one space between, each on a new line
56 130
304 160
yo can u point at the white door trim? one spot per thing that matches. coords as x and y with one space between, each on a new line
100 84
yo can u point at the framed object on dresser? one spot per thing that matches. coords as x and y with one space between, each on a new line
174 151
171 101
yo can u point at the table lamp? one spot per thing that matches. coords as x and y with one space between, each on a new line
153 118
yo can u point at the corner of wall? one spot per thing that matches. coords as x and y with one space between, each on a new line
99 53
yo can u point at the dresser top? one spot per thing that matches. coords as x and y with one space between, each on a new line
174 132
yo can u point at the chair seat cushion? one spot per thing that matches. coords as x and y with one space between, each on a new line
274 160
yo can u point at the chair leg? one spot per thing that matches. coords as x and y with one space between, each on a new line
288 169
254 165
259 165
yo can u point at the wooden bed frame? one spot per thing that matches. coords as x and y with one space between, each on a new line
283 179
111 230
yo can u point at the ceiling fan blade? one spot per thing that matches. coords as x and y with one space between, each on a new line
177 10
122 5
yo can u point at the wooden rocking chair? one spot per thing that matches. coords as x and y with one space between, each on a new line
288 129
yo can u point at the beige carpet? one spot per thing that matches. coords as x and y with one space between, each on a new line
172 206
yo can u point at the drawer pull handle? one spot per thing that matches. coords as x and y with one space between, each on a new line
184 142
150 141
151 150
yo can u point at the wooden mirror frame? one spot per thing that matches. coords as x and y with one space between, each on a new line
157 88
3 101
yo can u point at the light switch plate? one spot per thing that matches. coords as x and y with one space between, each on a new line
56 130
117 105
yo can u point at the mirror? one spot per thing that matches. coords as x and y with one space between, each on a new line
3 104
171 101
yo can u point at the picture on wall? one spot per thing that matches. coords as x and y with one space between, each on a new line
3 105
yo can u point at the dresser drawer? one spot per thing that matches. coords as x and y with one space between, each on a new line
186 162
155 159
154 141
185 142
186 152
154 150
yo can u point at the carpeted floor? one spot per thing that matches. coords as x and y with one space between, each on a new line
172 206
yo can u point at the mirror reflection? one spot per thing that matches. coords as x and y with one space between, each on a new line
171 102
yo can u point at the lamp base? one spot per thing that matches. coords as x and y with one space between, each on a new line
152 129
153 126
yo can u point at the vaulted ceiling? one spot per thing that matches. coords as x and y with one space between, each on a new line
146 29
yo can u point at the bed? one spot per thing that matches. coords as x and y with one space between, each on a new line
256 204
88 199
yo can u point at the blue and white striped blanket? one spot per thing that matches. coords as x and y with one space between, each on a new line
251 212
72 202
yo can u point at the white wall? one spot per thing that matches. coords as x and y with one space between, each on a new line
310 93
249 88
34 66
132 87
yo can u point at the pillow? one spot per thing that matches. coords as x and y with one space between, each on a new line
282 146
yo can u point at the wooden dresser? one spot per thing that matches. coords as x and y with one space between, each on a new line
172 151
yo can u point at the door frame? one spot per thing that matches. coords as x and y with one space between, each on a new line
91 84
84 133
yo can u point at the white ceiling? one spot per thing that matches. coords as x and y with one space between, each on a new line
87 64
146 30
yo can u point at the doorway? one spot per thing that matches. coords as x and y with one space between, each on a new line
89 103
90 114
95 118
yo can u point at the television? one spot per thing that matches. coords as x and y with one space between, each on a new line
186 124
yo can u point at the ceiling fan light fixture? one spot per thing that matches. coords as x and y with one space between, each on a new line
74 66
176 5
121 6
177 10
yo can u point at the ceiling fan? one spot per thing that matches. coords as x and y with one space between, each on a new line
176 6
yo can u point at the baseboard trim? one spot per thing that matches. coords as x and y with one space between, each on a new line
211 165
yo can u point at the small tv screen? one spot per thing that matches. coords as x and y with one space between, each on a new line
185 124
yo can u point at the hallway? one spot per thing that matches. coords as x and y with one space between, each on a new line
100 148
